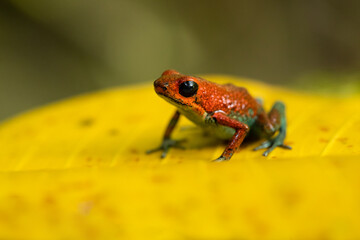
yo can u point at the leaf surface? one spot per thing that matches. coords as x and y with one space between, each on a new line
78 169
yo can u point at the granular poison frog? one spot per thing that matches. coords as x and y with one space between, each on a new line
226 111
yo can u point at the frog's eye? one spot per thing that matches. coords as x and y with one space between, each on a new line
188 88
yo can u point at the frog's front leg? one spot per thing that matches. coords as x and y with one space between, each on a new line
269 124
241 130
167 142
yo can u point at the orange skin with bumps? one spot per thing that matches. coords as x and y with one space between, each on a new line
210 97
227 109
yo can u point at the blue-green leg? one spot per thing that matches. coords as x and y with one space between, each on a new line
167 142
270 124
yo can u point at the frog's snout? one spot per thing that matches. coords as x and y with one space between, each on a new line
160 87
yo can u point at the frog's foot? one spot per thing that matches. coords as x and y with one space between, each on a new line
166 145
271 144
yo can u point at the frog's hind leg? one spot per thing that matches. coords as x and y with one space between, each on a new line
270 123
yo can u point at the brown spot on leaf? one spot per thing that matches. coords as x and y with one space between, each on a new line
113 132
110 212
324 128
323 140
338 163
343 140
89 161
160 179
49 200
252 216
17 202
172 212
290 198
134 151
87 122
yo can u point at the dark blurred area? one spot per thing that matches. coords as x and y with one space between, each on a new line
50 50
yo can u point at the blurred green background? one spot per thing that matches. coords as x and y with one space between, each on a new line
50 50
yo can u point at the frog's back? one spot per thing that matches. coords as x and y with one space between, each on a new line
233 101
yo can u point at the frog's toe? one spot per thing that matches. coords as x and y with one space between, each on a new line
164 153
264 145
153 150
266 153
271 145
220 159
166 145
285 146
274 145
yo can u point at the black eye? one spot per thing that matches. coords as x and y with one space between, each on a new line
188 88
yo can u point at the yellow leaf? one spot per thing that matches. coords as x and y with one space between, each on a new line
77 169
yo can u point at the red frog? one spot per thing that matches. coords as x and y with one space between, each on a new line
226 111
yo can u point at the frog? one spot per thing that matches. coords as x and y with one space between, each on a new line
226 111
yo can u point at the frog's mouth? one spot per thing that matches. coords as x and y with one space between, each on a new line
171 100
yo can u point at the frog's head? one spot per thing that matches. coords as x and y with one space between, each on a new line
180 90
